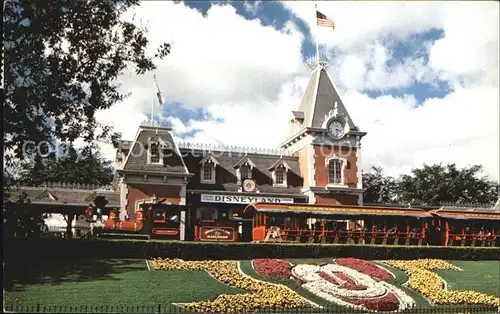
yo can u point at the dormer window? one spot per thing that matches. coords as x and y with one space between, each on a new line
208 170
279 171
154 154
244 169
279 176
245 173
208 165
336 167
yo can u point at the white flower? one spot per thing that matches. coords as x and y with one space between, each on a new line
312 281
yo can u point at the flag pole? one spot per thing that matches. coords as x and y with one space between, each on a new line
316 31
153 101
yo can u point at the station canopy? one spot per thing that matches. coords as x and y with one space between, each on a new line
335 210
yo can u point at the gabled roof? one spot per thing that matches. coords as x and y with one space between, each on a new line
209 158
319 99
279 162
46 196
63 196
137 157
243 161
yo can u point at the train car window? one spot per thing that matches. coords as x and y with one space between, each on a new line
207 215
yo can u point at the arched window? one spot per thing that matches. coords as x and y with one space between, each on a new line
335 170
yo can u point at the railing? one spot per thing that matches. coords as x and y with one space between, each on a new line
170 308
74 186
234 149
468 205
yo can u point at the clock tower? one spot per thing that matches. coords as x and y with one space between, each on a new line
327 142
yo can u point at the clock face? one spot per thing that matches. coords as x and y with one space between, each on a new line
336 129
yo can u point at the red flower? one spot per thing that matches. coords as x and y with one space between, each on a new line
364 267
273 268
388 302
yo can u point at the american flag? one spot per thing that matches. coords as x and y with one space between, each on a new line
322 20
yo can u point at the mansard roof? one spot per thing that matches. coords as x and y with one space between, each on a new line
227 172
319 99
137 157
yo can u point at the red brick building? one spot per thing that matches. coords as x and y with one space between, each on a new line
318 163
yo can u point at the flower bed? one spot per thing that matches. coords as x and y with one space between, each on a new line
428 283
388 302
349 287
272 268
365 267
261 295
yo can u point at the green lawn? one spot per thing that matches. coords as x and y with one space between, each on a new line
483 276
105 283
110 283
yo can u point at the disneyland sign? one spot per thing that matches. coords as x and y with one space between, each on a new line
236 199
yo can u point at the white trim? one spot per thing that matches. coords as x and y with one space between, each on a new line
285 175
359 173
315 96
182 226
238 172
342 171
360 199
311 165
349 119
182 195
148 201
202 173
132 147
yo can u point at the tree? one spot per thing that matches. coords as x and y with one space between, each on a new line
379 188
62 61
82 166
439 184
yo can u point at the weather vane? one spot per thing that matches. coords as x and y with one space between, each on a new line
312 62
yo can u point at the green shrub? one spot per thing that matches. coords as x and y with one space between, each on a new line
28 248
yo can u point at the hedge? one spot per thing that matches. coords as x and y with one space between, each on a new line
100 248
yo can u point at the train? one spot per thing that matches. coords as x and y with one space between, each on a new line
307 223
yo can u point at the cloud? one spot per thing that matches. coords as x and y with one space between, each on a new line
248 77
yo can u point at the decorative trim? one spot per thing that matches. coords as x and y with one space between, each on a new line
148 200
285 175
359 172
342 171
236 193
312 165
182 195
182 226
233 149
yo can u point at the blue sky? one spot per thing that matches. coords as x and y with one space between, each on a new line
276 15
405 75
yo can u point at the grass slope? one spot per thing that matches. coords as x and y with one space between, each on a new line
106 283
483 276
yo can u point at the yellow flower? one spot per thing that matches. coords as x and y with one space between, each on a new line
431 285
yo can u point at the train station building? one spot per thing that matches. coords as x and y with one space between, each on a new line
318 163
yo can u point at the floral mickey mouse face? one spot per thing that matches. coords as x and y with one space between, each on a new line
348 287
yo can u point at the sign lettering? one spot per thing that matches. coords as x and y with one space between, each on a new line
217 234
236 199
